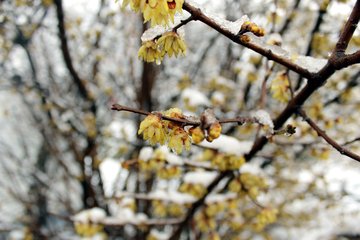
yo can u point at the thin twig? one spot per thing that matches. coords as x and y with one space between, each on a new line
327 138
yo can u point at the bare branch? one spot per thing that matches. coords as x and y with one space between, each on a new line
66 53
348 30
327 138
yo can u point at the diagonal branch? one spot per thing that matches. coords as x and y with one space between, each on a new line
327 138
200 16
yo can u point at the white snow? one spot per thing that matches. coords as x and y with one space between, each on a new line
146 153
194 97
109 170
310 63
93 215
174 159
172 196
230 145
152 33
200 177
218 97
160 235
215 198
126 216
263 117
124 129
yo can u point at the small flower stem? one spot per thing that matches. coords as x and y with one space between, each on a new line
184 22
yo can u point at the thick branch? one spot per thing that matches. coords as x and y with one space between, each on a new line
328 139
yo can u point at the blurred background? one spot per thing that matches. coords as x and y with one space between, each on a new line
63 150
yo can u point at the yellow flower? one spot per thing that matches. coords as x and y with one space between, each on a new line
153 129
172 44
214 131
197 134
134 4
174 6
156 11
173 113
179 139
279 87
149 52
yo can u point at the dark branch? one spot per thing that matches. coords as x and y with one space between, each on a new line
65 51
348 30
199 15
328 139
318 79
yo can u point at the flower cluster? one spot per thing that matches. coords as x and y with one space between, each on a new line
153 129
248 184
264 218
170 43
156 130
195 189
87 223
163 209
280 87
158 12
227 161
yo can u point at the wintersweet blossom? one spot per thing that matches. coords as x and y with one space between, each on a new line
149 52
172 44
153 129
279 87
179 139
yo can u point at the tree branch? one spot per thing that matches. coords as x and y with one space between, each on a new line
199 15
328 139
66 53
318 79
348 30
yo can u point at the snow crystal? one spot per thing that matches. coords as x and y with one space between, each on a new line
17 235
214 198
173 196
97 214
160 235
94 215
274 39
109 169
228 145
194 97
310 63
174 159
152 33
218 97
146 153
123 129
273 48
263 117
126 214
233 27
200 177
